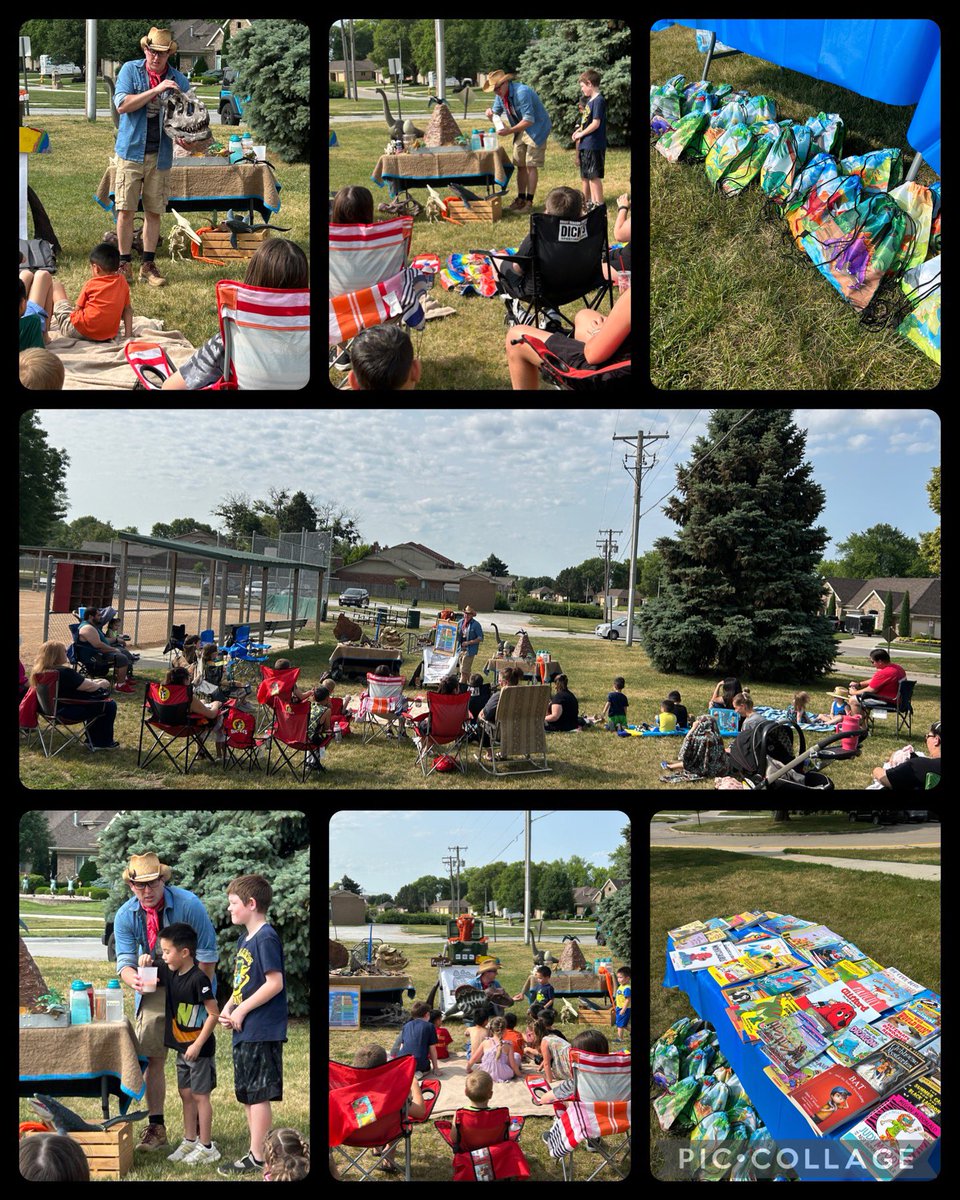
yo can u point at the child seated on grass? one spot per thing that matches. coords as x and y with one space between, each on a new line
103 302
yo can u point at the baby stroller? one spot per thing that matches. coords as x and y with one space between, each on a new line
763 755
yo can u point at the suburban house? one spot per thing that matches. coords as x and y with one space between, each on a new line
74 838
869 596
430 577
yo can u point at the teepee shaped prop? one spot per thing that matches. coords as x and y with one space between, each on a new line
571 958
442 130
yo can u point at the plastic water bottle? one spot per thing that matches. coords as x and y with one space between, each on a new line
79 1003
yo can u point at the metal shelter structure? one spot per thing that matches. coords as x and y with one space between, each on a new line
223 558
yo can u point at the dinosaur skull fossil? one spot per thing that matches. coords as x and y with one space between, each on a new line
185 117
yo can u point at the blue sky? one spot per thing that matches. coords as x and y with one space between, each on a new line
533 486
410 843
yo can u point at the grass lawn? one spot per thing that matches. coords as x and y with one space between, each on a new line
588 758
742 312
430 1156
894 920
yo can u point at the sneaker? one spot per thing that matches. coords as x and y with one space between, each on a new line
243 1166
126 687
186 1147
200 1154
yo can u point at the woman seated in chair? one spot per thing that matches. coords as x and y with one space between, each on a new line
597 340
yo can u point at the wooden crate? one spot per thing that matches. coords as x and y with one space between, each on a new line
109 1154
479 210
590 1016
217 245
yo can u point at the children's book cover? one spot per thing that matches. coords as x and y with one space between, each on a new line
813 938
792 1041
699 939
786 1081
746 1018
891 986
833 1098
785 924
892 1137
908 1026
841 1003
887 1069
698 958
856 1042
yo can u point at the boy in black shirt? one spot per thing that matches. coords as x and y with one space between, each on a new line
191 1018
257 1013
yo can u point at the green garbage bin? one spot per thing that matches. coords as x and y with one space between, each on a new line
413 618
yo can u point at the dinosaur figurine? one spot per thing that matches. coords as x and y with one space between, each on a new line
65 1120
397 126
236 225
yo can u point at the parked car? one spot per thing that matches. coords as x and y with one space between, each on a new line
354 597
879 816
615 629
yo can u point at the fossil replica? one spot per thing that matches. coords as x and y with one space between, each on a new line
185 117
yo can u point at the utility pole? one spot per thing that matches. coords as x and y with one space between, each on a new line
640 465
455 863
608 547
526 878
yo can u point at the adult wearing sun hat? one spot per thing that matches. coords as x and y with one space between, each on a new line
143 152
469 637
528 122
137 926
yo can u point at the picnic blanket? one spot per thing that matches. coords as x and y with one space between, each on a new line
781 714
512 1094
99 366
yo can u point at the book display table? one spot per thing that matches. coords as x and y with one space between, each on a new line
820 1157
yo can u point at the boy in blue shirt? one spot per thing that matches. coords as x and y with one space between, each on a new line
257 1014
591 139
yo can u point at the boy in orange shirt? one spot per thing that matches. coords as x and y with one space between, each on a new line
104 299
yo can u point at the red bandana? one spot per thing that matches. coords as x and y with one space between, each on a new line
153 926
153 79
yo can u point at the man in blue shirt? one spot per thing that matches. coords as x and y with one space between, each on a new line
528 122
136 930
144 153
469 637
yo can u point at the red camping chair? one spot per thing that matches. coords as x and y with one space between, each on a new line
447 715
571 379
170 721
275 684
266 341
484 1145
239 726
368 1110
383 705
290 738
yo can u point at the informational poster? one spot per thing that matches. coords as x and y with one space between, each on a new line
344 1008
446 639
453 977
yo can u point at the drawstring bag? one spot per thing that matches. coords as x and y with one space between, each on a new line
855 249
665 105
917 200
827 131
921 285
880 170
688 129
738 156
702 751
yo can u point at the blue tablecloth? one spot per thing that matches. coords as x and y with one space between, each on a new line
896 61
781 1117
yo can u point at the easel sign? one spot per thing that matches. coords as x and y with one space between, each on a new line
446 639
344 1010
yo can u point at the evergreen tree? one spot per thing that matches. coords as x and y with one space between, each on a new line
740 593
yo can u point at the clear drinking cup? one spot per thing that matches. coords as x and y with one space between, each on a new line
148 977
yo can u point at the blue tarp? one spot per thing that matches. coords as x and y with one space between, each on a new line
893 61
780 1116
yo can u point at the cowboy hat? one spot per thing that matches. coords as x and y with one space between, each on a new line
841 693
485 964
144 867
468 608
159 40
495 78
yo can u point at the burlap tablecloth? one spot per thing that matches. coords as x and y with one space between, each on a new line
456 164
225 186
81 1051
